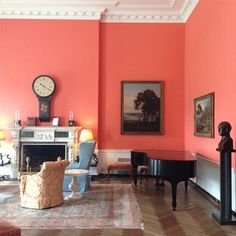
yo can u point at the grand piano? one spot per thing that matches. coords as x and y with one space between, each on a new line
173 166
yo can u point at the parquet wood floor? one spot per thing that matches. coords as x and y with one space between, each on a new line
193 216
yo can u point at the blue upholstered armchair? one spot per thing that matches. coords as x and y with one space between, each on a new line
85 157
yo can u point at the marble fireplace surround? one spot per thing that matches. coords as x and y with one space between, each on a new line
42 135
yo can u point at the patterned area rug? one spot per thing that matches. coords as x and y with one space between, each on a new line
105 206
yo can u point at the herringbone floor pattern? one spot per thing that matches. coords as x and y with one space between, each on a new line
191 218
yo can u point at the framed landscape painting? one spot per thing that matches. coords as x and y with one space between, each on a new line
204 116
141 107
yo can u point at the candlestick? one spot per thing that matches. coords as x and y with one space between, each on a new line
71 115
17 121
71 118
27 164
17 115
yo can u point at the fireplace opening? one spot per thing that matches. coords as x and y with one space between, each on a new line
33 155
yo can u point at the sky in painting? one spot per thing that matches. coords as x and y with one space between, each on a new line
130 93
205 103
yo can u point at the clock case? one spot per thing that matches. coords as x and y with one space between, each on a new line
44 102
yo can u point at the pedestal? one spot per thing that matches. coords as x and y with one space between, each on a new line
73 186
224 216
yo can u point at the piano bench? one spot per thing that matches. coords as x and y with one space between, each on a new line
119 166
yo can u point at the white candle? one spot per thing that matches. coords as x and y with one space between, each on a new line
71 115
17 115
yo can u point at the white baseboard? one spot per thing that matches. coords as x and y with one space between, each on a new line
109 156
208 178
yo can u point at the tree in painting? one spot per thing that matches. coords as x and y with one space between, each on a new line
204 116
149 103
141 107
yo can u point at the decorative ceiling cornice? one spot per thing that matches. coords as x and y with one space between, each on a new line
144 11
151 14
54 9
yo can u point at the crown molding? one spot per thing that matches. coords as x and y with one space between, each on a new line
54 9
151 14
142 11
65 13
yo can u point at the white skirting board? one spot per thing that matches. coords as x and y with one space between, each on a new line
208 178
109 156
208 172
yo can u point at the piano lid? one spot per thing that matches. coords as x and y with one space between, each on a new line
168 154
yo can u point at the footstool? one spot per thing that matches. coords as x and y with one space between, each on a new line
119 166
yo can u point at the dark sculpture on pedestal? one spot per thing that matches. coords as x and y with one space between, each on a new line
226 142
225 148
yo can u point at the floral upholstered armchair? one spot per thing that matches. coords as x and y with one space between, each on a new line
44 189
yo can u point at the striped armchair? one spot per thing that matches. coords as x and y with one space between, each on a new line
44 189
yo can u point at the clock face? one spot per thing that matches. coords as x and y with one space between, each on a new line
44 86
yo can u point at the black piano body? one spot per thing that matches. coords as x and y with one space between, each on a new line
173 166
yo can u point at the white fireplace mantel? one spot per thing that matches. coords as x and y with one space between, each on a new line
43 134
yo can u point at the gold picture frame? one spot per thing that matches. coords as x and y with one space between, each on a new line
31 121
204 116
142 107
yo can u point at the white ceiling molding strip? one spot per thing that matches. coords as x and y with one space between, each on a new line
52 13
188 10
135 11
177 13
54 9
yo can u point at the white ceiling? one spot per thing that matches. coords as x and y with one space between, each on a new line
150 11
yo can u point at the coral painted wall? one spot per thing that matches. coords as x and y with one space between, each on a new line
88 60
141 52
66 50
210 61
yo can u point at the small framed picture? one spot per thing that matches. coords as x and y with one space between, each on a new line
55 121
31 121
204 116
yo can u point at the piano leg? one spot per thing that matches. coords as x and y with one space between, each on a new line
186 184
174 183
174 191
135 174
